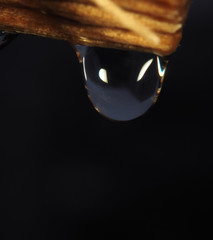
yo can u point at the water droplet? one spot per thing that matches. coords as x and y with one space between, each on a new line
122 85
5 38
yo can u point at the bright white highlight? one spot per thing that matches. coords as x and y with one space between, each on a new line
85 73
103 75
144 69
160 70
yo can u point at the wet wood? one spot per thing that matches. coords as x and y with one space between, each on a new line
83 22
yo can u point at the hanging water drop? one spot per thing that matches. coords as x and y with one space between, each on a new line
121 85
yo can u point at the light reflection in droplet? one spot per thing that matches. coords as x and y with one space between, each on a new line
84 69
103 75
161 70
144 69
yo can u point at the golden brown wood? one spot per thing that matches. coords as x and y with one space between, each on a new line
82 22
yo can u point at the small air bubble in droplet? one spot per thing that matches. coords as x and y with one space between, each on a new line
121 85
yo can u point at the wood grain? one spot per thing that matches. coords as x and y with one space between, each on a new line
82 22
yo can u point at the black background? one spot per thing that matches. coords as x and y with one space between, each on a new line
68 173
